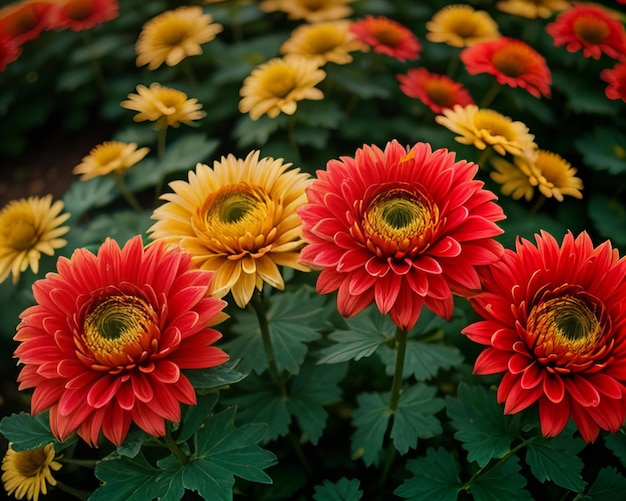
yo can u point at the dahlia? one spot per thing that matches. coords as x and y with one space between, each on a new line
401 227
237 219
109 335
79 15
24 21
616 78
311 11
387 36
461 26
109 157
28 473
532 9
554 323
512 62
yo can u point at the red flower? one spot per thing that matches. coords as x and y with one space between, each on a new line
9 51
616 78
79 15
512 62
403 227
435 91
555 324
387 37
24 21
590 28
105 344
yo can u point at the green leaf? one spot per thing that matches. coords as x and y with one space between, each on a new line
27 432
603 149
215 377
583 96
609 484
370 419
132 443
415 417
325 114
249 132
193 416
502 482
121 226
423 360
342 490
609 217
435 477
617 443
483 429
84 195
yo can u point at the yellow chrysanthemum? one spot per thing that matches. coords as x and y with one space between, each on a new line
484 127
324 42
461 26
163 105
173 35
28 473
108 157
514 180
28 228
277 85
312 11
532 9
237 219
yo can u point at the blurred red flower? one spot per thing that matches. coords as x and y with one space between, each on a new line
24 21
79 15
616 78
387 36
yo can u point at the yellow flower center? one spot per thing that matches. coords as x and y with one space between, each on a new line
323 39
173 32
591 30
461 23
18 229
108 152
313 5
31 463
79 9
278 80
511 60
493 123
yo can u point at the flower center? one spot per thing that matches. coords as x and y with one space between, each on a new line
172 33
462 26
31 463
388 35
21 235
79 9
439 93
591 30
510 60
279 80
493 123
26 21
323 39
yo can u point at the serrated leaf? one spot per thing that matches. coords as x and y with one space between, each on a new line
84 195
502 482
342 490
370 418
215 377
435 477
326 114
423 360
26 432
603 149
415 417
617 443
609 484
121 226
193 416
484 430
249 132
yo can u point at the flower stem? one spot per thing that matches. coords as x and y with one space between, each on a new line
77 493
174 448
491 94
396 385
126 193
96 67
161 141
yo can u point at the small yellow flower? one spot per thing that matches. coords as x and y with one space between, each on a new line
483 127
28 228
163 105
173 35
325 42
532 9
276 86
312 11
28 473
515 179
108 157
461 26
237 219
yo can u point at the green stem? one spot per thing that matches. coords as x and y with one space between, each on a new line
538 204
161 141
490 95
187 69
126 193
297 447
291 137
453 64
171 444
390 457
396 385
96 67
484 156
235 22
77 493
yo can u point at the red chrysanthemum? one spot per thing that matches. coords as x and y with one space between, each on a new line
512 62
555 323
387 36
403 227
79 15
9 51
24 21
590 28
438 92
616 78
105 343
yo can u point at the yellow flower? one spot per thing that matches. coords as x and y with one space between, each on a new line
312 11
108 157
173 35
237 219
276 85
28 473
29 227
461 26
331 41
515 179
163 105
483 128
532 9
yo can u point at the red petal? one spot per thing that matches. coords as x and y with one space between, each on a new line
553 387
102 391
166 371
607 385
386 292
377 267
582 391
518 363
532 376
141 387
553 417
490 361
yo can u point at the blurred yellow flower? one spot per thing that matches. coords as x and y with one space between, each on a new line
28 473
163 105
461 26
483 127
108 157
324 42
173 35
278 84
237 219
28 228
532 9
311 11
515 179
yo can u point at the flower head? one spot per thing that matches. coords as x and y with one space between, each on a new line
9 51
532 9
29 227
163 105
311 11
616 78
237 219
484 127
277 85
461 26
401 227
24 21
109 335
174 35
324 42
79 15
108 157
512 62
387 36
438 92
589 28
28 473
554 323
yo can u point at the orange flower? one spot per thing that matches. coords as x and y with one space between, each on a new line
79 15
512 62
461 26
438 92
616 78
532 9
311 11
24 21
387 36
591 29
